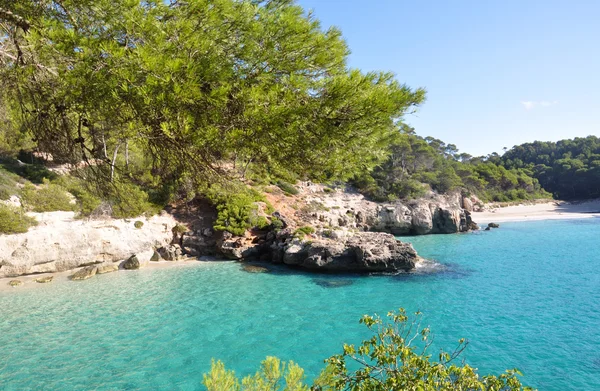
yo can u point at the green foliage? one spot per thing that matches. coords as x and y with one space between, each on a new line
238 208
179 229
303 231
276 224
415 161
138 224
570 169
48 197
8 184
287 188
137 87
14 220
396 358
274 375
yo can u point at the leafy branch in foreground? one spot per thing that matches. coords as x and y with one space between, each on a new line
396 358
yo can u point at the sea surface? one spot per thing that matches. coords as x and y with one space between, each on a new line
526 295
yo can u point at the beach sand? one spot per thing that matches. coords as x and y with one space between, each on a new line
547 211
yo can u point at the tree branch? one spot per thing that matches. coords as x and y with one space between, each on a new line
14 19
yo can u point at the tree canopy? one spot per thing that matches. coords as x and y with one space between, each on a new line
192 89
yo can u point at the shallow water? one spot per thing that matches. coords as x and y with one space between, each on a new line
526 295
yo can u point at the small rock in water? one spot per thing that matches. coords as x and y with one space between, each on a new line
493 225
43 280
107 268
15 283
84 273
132 263
254 269
333 283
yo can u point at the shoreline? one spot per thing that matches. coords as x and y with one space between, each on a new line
556 210
63 277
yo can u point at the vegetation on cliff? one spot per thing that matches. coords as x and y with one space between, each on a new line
396 358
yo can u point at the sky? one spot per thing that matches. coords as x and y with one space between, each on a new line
497 73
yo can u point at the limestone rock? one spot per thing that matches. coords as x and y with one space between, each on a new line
44 280
132 263
84 273
171 252
361 252
107 268
15 283
254 269
493 225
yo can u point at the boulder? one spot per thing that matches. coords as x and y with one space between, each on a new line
361 252
107 268
132 263
467 204
84 273
170 252
239 248
44 280
493 225
155 256
15 283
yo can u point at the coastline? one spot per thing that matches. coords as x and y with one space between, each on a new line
63 277
555 210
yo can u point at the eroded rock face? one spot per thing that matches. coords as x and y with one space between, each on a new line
361 252
62 242
84 273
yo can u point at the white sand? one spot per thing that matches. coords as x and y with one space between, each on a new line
547 211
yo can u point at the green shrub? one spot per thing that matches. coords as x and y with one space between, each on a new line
49 197
179 229
14 220
138 224
396 358
287 188
237 208
303 231
276 224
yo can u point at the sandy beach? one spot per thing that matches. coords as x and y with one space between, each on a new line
547 211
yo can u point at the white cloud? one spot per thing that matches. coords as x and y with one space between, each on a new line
529 104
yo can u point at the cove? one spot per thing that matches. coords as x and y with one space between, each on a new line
526 295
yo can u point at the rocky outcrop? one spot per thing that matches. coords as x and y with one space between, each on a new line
170 252
44 280
104 268
62 242
361 252
132 263
432 214
84 273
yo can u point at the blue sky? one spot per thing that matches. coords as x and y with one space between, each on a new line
498 73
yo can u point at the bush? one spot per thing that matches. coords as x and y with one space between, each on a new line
237 208
14 221
49 197
389 361
138 224
303 231
287 188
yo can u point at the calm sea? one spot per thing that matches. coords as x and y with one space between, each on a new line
526 295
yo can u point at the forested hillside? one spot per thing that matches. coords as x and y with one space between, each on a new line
570 169
416 164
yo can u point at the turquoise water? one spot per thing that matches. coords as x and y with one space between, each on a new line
526 295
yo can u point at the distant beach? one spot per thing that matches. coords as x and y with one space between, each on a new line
547 211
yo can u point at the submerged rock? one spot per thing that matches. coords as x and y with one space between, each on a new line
107 268
254 269
43 280
15 283
132 263
84 273
333 283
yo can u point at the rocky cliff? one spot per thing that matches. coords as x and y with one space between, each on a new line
61 242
